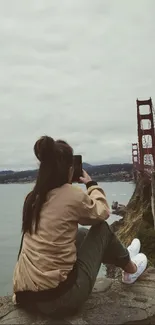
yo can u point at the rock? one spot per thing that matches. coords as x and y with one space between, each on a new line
116 225
110 303
120 211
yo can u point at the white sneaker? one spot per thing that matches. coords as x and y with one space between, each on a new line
134 247
140 261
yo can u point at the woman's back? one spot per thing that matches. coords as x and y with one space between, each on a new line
48 256
51 213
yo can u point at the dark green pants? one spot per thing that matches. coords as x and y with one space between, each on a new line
94 247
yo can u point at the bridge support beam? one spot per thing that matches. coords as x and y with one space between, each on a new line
135 159
145 151
135 154
153 196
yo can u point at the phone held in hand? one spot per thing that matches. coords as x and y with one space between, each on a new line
77 164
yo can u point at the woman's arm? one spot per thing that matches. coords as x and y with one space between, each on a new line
94 205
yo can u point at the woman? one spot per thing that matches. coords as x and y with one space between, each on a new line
58 263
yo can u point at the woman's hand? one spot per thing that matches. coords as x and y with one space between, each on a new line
85 178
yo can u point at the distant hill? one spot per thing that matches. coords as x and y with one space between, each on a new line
110 172
110 168
6 172
86 165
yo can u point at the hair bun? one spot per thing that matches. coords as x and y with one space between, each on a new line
44 148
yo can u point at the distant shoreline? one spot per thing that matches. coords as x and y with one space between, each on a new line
102 173
95 179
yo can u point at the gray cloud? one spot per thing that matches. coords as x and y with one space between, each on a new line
73 70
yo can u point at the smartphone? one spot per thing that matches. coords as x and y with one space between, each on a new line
77 163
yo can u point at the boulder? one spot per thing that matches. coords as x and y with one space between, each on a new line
110 303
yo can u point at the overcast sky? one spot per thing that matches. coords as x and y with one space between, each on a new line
72 69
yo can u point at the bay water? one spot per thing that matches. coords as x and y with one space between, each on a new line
11 203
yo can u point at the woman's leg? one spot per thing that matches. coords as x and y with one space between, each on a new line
81 235
109 256
93 248
101 246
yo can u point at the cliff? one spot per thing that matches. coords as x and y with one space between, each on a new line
110 303
138 219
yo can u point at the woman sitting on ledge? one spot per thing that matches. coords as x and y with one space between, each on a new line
58 262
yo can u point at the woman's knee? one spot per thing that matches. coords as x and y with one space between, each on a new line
102 226
82 233
102 229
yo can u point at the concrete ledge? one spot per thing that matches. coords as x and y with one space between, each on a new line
110 303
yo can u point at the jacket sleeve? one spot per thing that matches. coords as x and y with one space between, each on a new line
94 206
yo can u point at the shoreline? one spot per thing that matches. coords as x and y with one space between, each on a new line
97 179
100 173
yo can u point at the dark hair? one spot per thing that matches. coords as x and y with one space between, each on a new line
56 157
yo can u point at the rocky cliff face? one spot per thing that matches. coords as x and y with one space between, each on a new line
138 220
110 303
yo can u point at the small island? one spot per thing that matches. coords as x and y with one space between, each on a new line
100 173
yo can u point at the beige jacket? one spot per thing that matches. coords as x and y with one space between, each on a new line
47 257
